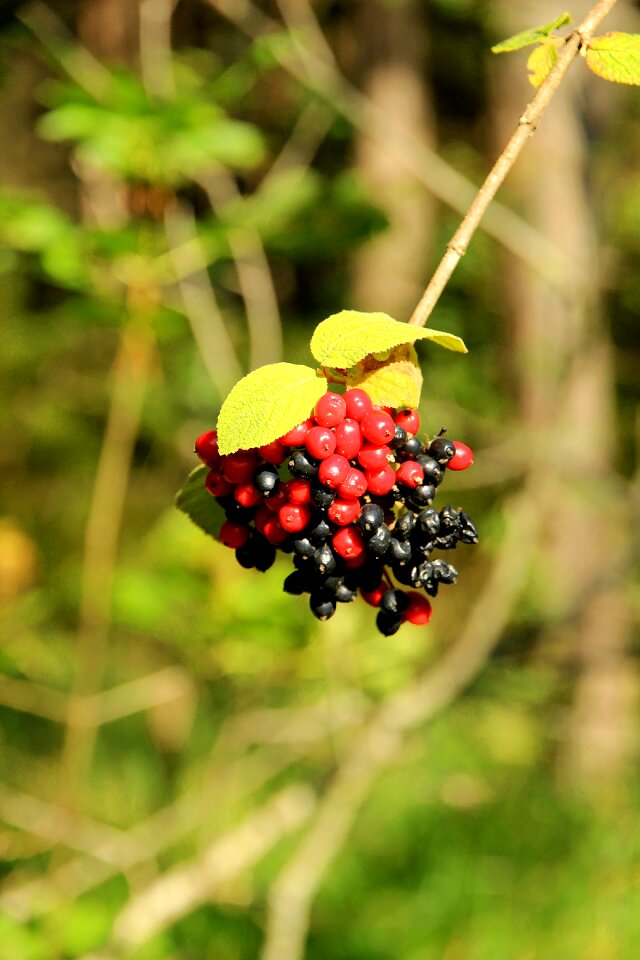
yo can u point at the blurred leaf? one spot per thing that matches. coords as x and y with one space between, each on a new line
394 382
199 505
267 403
615 57
541 62
527 37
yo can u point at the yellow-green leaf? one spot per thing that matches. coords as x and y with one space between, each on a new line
541 62
267 403
616 57
528 37
347 337
396 382
198 504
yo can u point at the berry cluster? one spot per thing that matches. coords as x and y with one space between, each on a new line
349 494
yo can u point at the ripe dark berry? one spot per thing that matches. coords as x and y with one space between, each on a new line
433 471
266 480
381 481
371 518
207 448
302 465
303 547
399 437
410 474
322 605
388 623
429 521
294 517
348 438
468 532
378 427
320 442
409 419
373 457
275 452
379 541
354 485
322 496
348 542
344 593
330 409
441 449
411 449
462 458
247 495
216 484
394 601
238 467
333 470
444 572
422 496
418 610
264 554
298 490
296 436
295 583
449 519
404 526
234 534
358 403
324 559
320 532
399 550
344 512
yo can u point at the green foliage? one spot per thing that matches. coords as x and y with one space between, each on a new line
394 381
198 504
266 403
541 62
533 35
615 57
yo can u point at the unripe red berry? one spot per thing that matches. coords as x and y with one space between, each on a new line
275 452
333 470
380 482
352 563
354 485
298 491
410 474
320 442
217 485
373 597
409 420
330 409
274 531
263 515
295 436
462 458
359 403
207 448
294 517
378 427
373 457
348 542
348 436
234 534
344 512
247 495
238 467
277 500
418 610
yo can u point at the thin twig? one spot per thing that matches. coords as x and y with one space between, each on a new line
457 246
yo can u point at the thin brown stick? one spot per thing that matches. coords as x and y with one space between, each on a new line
457 246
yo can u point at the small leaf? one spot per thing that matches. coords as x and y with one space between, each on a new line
195 500
541 62
347 337
267 403
615 57
528 37
396 382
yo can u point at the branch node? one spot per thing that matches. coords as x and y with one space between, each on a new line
524 121
458 248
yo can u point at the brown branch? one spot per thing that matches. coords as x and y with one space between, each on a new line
457 246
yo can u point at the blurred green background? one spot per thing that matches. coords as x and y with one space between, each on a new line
192 767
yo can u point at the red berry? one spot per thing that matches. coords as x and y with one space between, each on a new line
330 409
234 534
277 500
294 517
263 515
348 542
320 442
462 458
359 403
217 485
238 467
372 457
378 427
354 485
298 491
353 562
348 438
418 610
274 452
295 437
373 597
380 482
409 420
207 448
410 474
344 512
247 495
333 470
273 531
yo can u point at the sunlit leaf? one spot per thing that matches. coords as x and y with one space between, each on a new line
395 382
541 62
533 35
615 57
